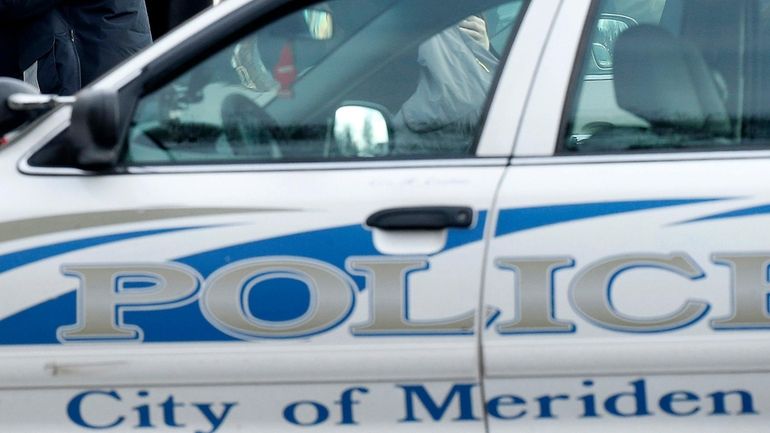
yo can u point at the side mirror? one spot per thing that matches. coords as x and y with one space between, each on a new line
94 130
608 28
602 56
362 131
11 118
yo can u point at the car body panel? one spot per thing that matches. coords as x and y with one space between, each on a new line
590 292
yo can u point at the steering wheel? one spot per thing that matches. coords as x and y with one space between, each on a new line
249 129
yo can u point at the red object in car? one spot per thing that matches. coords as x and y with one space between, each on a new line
285 72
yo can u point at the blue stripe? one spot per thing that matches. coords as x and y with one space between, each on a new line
20 258
458 238
518 220
752 211
38 324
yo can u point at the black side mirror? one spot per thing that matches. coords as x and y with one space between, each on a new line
94 130
11 119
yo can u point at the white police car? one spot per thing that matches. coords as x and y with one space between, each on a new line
400 216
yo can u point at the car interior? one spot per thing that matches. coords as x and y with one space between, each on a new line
694 78
371 60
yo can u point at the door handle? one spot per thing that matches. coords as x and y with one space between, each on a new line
422 218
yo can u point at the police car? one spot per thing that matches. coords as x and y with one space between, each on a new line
400 216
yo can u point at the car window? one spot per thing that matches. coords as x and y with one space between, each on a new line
342 79
672 75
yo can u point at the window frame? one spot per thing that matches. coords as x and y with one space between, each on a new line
188 45
156 82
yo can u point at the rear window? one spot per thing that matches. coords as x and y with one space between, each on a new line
672 75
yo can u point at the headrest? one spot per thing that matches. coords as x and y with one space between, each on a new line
665 81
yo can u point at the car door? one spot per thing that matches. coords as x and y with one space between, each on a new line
276 245
629 263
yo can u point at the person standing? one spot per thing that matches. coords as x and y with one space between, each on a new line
15 16
106 32
62 45
9 54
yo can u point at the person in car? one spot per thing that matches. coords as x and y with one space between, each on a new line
456 71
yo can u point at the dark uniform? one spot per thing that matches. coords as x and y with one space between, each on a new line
9 55
74 42
165 15
106 32
12 14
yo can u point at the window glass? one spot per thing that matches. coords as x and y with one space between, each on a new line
343 79
667 75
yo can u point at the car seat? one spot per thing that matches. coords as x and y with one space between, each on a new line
665 81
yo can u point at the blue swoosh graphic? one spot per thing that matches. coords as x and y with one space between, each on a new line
518 220
458 238
20 258
751 211
277 301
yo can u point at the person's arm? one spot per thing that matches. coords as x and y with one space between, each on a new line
11 10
